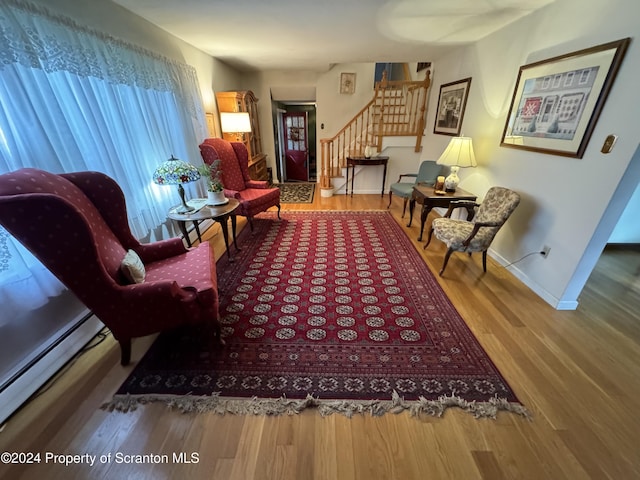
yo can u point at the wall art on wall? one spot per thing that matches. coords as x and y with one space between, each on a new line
556 102
347 83
451 105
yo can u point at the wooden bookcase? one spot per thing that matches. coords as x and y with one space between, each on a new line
246 101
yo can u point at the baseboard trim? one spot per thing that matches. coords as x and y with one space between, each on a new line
20 387
535 287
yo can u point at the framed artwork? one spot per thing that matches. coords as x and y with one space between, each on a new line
451 104
556 102
347 83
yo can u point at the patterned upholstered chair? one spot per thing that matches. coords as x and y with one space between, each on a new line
476 235
254 196
76 225
427 175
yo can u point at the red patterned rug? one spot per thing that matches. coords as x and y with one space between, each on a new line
331 310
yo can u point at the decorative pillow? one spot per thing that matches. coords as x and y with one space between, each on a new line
132 267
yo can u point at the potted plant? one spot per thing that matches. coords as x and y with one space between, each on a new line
213 176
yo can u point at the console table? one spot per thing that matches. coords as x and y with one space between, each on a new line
428 198
353 161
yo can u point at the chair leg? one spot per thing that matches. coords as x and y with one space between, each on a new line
428 239
404 206
278 211
484 261
125 352
390 194
250 223
446 260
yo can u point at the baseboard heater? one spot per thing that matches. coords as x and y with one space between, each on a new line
22 384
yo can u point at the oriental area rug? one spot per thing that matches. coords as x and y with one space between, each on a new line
296 192
329 310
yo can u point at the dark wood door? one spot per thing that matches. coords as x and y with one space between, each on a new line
296 146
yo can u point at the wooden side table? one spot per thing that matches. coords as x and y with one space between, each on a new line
427 197
353 161
218 214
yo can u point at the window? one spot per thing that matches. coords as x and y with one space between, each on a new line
75 99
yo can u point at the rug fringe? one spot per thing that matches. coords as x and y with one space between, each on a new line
284 406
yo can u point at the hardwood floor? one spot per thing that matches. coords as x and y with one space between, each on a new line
577 372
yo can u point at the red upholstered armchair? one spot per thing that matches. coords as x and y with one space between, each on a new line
76 225
254 196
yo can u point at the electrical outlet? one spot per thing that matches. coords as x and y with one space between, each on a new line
545 251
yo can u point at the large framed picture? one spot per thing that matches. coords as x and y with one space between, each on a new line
451 104
556 102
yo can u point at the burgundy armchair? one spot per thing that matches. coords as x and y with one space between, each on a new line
76 225
254 196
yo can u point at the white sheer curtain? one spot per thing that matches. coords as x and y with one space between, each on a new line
75 99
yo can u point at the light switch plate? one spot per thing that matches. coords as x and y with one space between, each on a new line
607 146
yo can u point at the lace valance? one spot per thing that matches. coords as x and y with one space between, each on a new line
33 36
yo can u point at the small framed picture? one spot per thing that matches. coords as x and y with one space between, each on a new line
451 104
347 83
556 102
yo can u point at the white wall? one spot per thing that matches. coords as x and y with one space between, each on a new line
628 228
563 199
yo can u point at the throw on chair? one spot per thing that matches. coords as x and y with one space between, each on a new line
476 235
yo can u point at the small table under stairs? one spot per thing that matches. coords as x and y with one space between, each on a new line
353 161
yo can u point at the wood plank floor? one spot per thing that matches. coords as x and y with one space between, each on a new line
577 372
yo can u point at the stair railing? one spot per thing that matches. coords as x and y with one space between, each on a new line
398 108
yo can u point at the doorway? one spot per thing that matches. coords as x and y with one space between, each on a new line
295 141
296 146
622 199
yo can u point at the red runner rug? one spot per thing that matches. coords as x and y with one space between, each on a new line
332 310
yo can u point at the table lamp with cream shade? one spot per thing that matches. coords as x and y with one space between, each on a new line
237 123
459 153
176 172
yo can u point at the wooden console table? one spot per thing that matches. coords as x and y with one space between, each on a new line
427 197
353 161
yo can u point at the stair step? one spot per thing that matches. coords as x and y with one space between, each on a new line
387 104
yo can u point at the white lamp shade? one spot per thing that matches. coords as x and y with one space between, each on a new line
235 122
459 152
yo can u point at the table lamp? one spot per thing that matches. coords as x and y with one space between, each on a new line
237 123
459 153
176 172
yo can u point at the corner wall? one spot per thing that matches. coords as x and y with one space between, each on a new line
563 199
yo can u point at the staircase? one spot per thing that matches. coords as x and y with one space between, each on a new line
398 108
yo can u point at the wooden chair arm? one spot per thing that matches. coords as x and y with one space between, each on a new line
413 175
476 229
488 224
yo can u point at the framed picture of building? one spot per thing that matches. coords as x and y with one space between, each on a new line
452 102
556 102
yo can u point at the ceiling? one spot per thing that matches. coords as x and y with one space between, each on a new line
255 35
